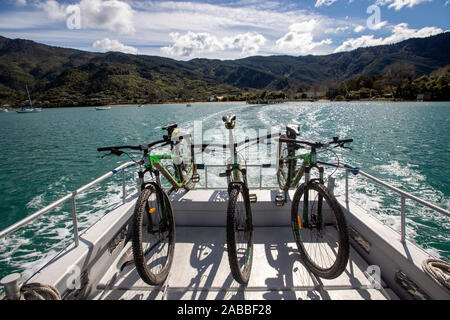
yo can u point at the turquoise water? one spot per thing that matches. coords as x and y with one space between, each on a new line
46 155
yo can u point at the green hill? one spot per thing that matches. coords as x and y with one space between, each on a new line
67 77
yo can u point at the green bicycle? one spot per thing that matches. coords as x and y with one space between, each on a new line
153 226
239 211
318 224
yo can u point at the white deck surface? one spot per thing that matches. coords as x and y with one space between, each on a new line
200 270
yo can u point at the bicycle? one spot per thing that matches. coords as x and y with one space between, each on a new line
239 212
153 227
320 231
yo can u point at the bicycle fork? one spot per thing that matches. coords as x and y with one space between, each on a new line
314 219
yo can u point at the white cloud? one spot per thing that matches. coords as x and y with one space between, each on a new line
54 10
250 42
398 4
115 15
337 30
359 29
379 25
300 38
400 32
113 45
192 43
21 2
320 3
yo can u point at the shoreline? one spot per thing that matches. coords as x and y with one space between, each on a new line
228 102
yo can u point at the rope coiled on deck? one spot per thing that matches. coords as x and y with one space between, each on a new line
438 270
39 291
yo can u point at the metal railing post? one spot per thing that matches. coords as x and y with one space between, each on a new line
260 177
75 222
206 177
346 188
403 219
124 191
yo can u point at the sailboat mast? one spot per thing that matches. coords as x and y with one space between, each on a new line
29 98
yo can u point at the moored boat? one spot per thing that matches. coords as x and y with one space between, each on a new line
29 109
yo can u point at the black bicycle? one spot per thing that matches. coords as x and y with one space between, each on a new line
239 211
153 226
318 223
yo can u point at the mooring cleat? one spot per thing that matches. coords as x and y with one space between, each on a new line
253 198
279 200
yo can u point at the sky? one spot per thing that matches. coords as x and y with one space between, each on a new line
223 29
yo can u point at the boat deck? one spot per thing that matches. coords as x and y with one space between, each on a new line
201 271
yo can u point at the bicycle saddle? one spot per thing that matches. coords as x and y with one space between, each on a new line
292 130
229 120
170 127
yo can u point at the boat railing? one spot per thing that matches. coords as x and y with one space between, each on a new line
72 197
403 196
260 166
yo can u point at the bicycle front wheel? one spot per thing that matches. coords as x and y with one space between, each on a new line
239 236
320 230
153 235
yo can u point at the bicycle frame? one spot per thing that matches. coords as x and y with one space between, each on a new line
309 162
294 175
153 164
236 175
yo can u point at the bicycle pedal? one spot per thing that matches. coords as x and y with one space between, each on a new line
171 191
279 200
253 198
195 178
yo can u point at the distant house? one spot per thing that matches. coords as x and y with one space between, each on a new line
426 96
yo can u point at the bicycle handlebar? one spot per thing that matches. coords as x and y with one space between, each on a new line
236 145
140 148
318 144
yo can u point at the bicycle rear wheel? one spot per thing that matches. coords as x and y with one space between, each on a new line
320 230
153 235
287 167
239 236
283 172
